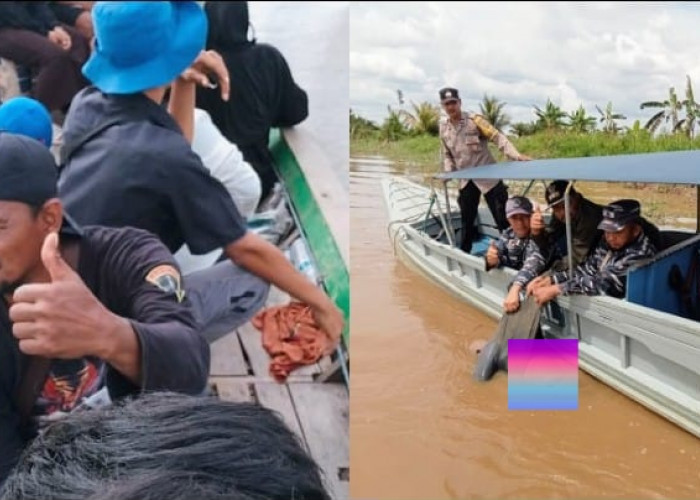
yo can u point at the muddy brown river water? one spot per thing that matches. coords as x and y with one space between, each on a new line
422 428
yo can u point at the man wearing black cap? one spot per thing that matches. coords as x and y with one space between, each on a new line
82 309
604 272
585 217
515 249
464 141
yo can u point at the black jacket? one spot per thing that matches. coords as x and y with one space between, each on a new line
32 16
263 91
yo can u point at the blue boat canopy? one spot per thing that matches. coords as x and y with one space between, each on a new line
672 167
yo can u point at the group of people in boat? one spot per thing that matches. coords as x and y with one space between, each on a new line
94 304
605 240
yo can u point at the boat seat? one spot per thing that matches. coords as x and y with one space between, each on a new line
670 238
648 283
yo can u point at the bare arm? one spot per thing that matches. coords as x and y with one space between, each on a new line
183 90
266 261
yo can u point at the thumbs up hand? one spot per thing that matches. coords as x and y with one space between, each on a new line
492 255
60 318
536 221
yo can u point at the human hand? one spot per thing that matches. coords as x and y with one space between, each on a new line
61 318
545 293
330 320
492 255
512 300
538 282
536 221
60 37
208 62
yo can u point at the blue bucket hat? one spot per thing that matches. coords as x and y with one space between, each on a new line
27 116
143 45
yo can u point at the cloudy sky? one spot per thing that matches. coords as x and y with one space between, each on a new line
523 53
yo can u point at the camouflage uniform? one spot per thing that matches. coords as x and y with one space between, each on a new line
521 254
605 271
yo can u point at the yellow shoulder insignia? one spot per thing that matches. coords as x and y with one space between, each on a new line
167 278
484 126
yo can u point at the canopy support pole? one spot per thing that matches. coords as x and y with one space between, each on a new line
569 244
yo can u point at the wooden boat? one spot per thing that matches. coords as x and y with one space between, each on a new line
641 345
311 161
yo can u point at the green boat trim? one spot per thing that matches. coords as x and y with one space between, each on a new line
315 229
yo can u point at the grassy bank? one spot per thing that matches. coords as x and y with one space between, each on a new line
664 204
425 150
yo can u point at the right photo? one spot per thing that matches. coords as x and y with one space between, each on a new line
525 244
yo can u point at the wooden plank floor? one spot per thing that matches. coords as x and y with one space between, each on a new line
316 412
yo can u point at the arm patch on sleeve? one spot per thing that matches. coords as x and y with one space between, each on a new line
167 278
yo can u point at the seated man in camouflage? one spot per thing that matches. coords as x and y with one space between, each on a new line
604 272
516 249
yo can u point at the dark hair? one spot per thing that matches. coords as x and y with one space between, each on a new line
167 446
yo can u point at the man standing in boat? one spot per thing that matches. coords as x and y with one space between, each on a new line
464 142
604 272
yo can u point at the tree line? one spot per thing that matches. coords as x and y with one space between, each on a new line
681 115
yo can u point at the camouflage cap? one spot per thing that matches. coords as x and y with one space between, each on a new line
618 214
518 205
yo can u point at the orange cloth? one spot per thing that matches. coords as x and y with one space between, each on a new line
291 337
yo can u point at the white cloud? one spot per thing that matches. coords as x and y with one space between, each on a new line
523 53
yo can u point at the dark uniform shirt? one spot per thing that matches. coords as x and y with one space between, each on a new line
584 236
521 254
141 172
604 272
136 277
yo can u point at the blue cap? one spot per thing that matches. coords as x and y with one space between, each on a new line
26 116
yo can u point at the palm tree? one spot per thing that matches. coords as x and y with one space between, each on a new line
551 117
608 119
579 121
669 111
425 118
492 109
692 110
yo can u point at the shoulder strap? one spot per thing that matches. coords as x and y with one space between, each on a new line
30 385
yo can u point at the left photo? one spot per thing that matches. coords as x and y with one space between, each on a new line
174 226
